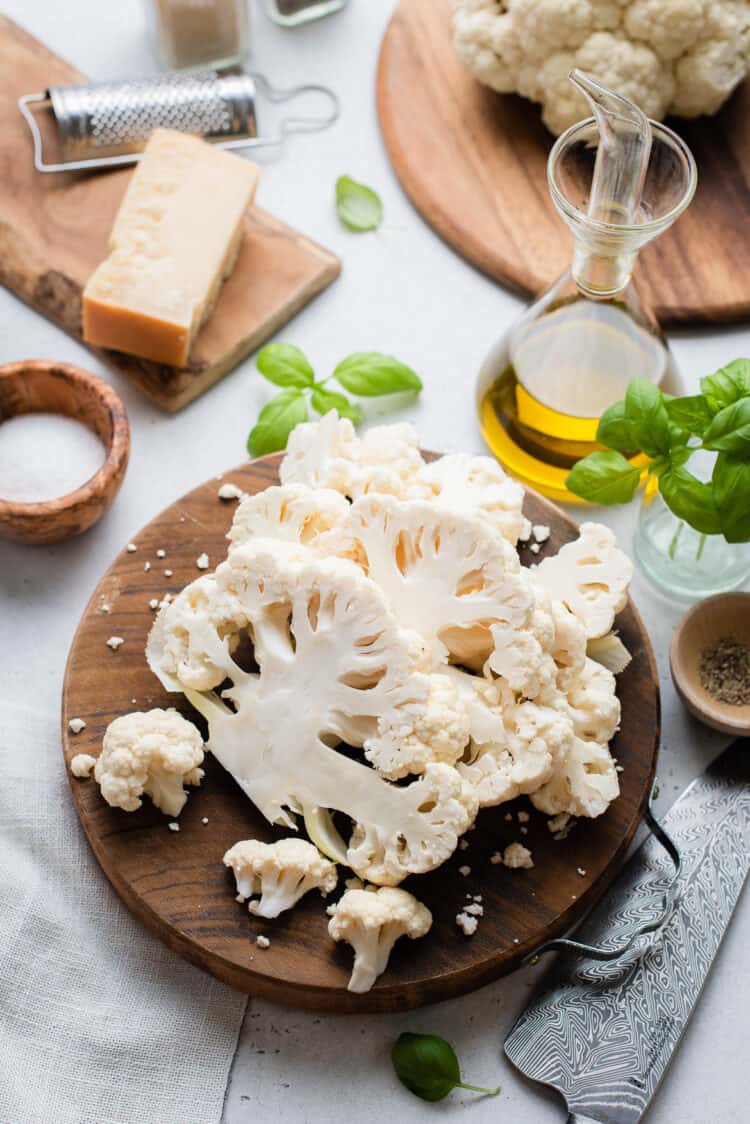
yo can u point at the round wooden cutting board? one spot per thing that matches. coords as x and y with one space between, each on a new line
175 882
474 164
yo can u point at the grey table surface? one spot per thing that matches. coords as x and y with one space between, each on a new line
405 292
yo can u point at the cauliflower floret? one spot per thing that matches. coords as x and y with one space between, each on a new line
517 857
294 512
444 801
584 783
515 746
82 764
684 56
590 576
549 654
471 485
328 454
200 621
279 874
446 576
372 923
431 724
154 752
593 705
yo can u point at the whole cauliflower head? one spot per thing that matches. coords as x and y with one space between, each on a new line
668 56
155 752
372 923
274 876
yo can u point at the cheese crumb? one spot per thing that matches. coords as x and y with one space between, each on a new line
115 642
82 764
131 548
523 817
517 857
540 532
76 725
168 573
146 567
496 858
202 561
230 492
262 942
153 603
467 924
161 553
464 871
173 826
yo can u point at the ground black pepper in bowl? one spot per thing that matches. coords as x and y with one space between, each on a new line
725 671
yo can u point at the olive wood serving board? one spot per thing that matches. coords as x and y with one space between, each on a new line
54 230
175 882
473 163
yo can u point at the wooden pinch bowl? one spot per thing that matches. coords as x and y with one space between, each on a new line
44 386
726 614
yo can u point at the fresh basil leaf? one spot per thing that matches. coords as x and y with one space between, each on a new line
679 455
276 421
616 431
358 206
427 1065
324 400
370 374
729 431
690 414
604 477
645 409
731 489
727 385
690 499
285 365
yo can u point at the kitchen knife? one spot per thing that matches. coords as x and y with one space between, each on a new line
602 1033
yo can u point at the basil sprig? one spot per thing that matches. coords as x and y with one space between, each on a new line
366 374
669 430
428 1067
357 205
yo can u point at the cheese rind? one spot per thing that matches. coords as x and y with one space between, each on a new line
174 241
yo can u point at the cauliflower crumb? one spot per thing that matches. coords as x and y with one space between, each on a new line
230 492
508 817
173 826
517 857
477 897
82 764
523 817
559 822
581 871
76 725
540 532
475 909
146 567
131 548
153 603
161 553
496 858
204 821
463 845
202 561
524 831
467 924
115 642
168 573
535 548
262 942
464 871
105 609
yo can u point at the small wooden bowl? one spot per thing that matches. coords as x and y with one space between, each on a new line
43 386
726 614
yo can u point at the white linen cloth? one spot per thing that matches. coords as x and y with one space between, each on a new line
99 1022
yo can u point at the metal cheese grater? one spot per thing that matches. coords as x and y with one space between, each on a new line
108 123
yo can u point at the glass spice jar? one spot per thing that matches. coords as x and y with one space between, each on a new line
200 32
289 13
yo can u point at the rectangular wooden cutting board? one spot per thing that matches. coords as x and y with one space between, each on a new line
54 230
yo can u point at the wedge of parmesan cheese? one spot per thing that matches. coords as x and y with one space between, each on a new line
174 241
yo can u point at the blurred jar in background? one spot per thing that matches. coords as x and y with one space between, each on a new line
291 12
200 32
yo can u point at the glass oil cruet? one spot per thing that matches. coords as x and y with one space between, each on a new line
618 180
